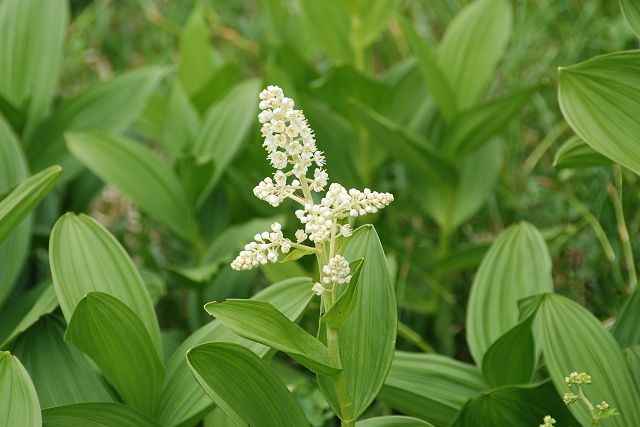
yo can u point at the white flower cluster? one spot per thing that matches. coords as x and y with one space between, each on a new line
577 378
290 142
338 204
336 271
317 288
264 249
548 421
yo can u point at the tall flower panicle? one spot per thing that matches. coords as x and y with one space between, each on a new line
291 150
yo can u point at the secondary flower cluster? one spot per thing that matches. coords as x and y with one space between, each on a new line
600 412
292 151
577 378
548 421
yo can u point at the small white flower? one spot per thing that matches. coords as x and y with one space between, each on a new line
345 230
548 421
301 236
318 288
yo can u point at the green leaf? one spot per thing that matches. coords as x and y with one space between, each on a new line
17 204
18 400
430 386
25 311
224 128
368 337
84 257
575 153
31 44
393 421
134 170
512 358
97 414
517 265
472 45
261 322
109 106
227 371
196 54
574 340
437 83
183 399
475 127
632 355
181 122
626 329
113 336
296 254
15 248
344 306
373 18
631 11
599 98
515 406
328 22
452 205
61 374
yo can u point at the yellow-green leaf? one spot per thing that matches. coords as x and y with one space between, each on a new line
18 400
575 153
98 414
631 11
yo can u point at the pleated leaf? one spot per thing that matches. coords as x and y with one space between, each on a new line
472 45
600 98
196 54
328 22
32 34
515 406
25 311
61 374
135 170
261 322
18 400
183 399
113 336
110 106
368 337
244 386
626 329
84 257
373 17
224 128
17 204
575 153
516 266
431 387
14 249
98 414
631 11
512 358
393 421
574 340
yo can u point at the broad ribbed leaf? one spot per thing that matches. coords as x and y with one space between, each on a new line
14 250
393 421
342 308
632 355
368 337
475 127
25 311
181 122
515 406
61 374
244 386
99 414
575 153
631 11
183 399
17 204
84 257
18 400
196 54
113 336
430 387
225 127
434 77
600 98
626 329
110 106
512 358
472 46
517 265
31 38
373 18
261 322
135 170
328 22
574 340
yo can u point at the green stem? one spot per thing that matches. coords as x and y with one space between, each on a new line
623 232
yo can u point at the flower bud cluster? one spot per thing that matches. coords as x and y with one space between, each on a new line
264 249
577 378
289 142
548 421
336 271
